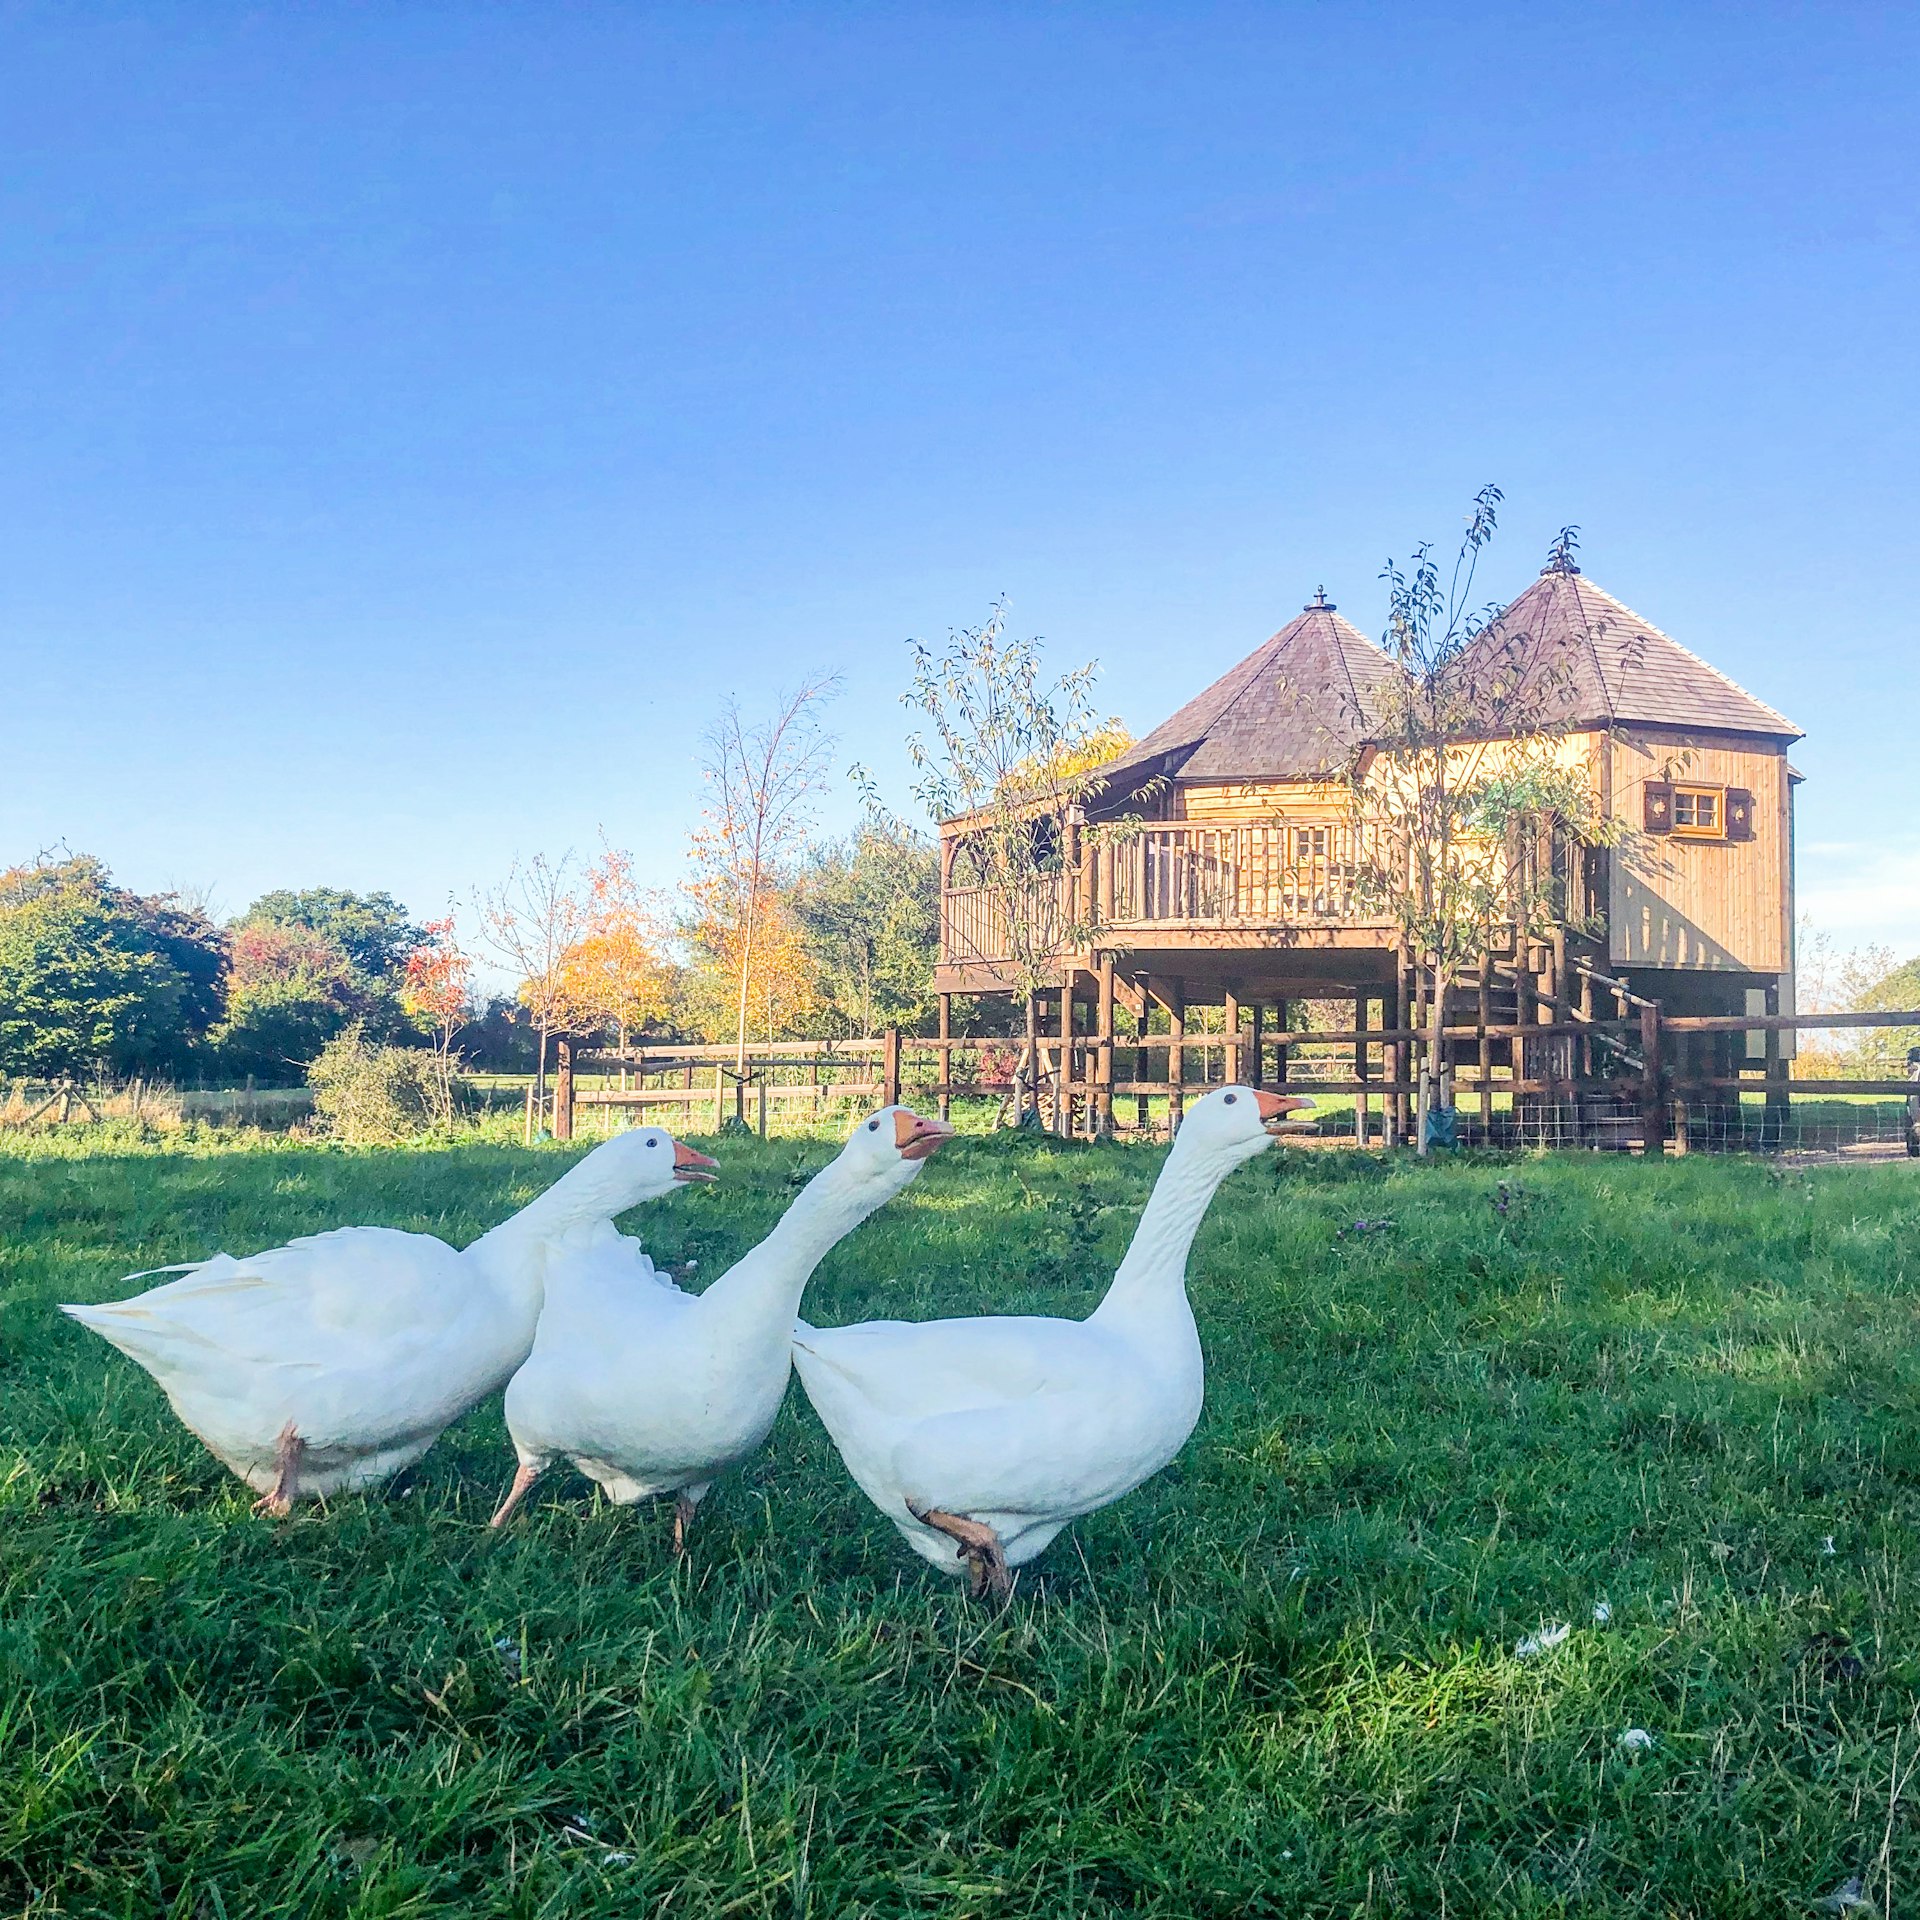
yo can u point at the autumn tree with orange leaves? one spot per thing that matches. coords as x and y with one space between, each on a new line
617 973
438 991
762 778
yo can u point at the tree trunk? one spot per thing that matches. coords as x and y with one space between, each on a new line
1436 1027
1030 1067
540 1080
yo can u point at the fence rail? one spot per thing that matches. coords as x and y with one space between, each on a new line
1640 1080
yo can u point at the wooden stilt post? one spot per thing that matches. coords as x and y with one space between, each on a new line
946 1055
1359 1066
1397 1053
1779 1106
1653 1112
1063 1100
1230 1020
1484 1066
1176 1055
1103 1050
1282 1055
563 1092
1256 1018
1143 1022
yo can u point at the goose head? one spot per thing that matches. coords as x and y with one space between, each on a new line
885 1152
644 1163
1232 1124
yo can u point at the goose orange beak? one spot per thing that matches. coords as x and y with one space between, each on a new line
1274 1108
689 1166
917 1137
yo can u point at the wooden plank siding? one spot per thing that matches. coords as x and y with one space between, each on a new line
1716 905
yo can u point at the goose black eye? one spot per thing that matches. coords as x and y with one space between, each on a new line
1231 1098
873 1126
652 1144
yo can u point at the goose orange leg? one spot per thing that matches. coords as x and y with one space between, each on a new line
979 1547
522 1484
286 1484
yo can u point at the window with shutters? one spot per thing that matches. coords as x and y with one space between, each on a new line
1700 813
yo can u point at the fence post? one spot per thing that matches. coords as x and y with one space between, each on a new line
563 1093
761 1083
1653 1112
890 1067
946 1056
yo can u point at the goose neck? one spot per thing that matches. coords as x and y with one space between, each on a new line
1156 1261
771 1278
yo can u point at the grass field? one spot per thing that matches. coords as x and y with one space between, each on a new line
1280 1680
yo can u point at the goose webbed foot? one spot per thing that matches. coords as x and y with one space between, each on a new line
978 1545
522 1485
288 1448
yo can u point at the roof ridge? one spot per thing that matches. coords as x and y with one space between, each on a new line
1677 645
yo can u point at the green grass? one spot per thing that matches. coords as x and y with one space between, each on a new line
1279 1680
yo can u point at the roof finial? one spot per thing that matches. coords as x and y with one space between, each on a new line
1319 603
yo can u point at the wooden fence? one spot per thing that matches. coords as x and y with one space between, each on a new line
1639 1078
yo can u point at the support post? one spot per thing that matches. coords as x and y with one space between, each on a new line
946 1055
1063 1097
1256 1064
719 1097
890 1067
1282 1055
1397 1053
563 1092
1230 1022
1484 1058
1779 1105
1176 1056
1359 1066
1103 1039
1653 1112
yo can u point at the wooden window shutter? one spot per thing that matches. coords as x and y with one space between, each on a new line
1658 805
1739 814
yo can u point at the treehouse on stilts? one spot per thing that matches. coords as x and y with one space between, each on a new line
1218 871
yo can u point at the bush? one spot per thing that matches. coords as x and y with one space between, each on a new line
370 1095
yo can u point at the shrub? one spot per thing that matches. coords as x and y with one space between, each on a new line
369 1095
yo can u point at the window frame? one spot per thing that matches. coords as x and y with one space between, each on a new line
1699 790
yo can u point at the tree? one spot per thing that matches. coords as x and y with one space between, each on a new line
762 779
90 974
1012 756
532 920
439 994
373 930
290 991
1458 806
617 974
307 965
868 914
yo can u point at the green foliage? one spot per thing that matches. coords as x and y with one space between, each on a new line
370 1095
94 976
371 929
869 915
307 966
1278 1680
1884 1049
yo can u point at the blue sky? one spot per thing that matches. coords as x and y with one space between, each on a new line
415 420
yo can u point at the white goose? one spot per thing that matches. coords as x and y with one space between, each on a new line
648 1390
337 1360
980 1439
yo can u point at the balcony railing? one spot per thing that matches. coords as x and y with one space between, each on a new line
1169 877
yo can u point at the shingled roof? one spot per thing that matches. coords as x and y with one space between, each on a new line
1597 662
1293 709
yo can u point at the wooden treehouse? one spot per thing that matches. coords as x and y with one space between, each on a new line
1238 892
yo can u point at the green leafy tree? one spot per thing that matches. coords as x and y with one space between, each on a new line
373 930
93 976
305 966
868 909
